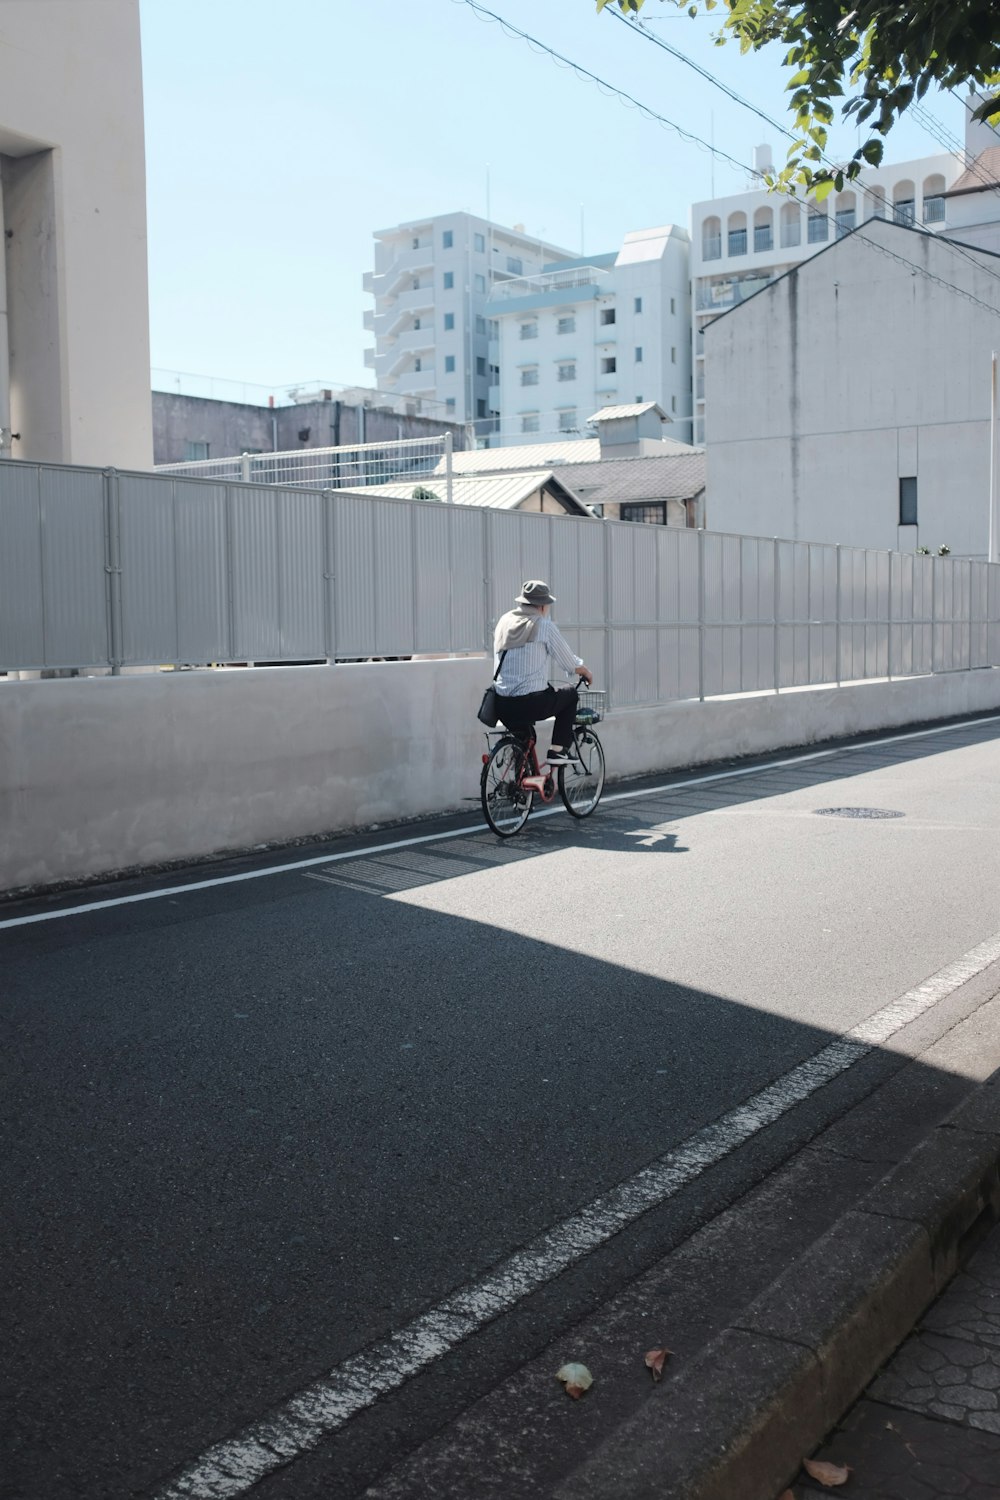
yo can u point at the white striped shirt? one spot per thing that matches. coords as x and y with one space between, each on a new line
526 668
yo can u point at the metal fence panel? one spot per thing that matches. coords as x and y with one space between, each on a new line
74 558
22 600
201 570
471 629
146 513
394 623
354 570
253 530
301 566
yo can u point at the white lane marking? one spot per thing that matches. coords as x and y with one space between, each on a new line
674 788
231 1468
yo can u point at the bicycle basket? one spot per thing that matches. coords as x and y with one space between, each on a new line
590 708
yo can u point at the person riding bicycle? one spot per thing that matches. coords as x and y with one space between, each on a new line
524 640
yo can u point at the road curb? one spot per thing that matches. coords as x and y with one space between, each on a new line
735 1424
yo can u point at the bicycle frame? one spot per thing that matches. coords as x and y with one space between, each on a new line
530 775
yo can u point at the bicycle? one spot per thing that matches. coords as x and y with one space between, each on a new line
512 778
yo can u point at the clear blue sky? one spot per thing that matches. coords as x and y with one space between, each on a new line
281 133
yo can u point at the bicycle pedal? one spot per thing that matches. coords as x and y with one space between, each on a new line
536 783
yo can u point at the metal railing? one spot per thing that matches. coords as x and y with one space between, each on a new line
547 281
112 569
350 467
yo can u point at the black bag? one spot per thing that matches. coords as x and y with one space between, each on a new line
489 708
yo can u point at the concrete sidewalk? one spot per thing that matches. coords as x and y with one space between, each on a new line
929 1424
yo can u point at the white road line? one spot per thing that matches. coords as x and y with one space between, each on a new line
427 838
231 1468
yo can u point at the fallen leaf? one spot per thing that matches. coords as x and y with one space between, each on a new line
827 1474
576 1378
655 1359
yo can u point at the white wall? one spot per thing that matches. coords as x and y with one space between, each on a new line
103 774
72 174
853 370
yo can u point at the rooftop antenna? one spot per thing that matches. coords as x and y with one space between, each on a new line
582 251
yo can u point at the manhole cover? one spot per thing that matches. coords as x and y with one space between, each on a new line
858 812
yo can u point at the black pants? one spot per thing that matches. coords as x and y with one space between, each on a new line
522 713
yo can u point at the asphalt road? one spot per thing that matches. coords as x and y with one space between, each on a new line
254 1128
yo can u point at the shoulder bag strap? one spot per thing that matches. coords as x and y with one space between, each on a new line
496 674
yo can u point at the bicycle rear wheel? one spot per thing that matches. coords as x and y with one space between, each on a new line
582 781
505 804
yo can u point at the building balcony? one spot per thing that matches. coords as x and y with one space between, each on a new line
494 351
407 263
728 293
368 281
369 359
368 320
413 301
416 382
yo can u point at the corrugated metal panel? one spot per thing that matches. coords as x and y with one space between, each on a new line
201 570
518 549
394 624
148 587
471 630
632 554
435 576
253 531
22 623
74 583
354 574
302 589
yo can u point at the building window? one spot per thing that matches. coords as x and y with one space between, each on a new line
480 407
529 421
514 265
194 451
529 330
637 306
480 324
530 375
416 243
567 372
653 515
567 420
607 316
609 365
673 305
449 322
908 501
566 325
449 280
762 237
494 374
416 363
711 239
903 211
845 221
673 403
447 239
480 282
638 354
479 242
737 242
934 209
791 226
673 354
480 365
449 405
449 364
818 228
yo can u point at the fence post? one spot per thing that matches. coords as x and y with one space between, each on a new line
934 563
701 615
448 447
329 618
245 467
777 605
607 614
840 611
113 569
888 644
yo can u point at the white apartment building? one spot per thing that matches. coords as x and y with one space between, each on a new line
604 330
741 243
431 284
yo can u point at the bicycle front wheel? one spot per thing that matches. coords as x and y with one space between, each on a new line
582 781
505 804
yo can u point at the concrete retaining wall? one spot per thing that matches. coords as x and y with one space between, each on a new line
102 774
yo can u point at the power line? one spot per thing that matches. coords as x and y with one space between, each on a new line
628 100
